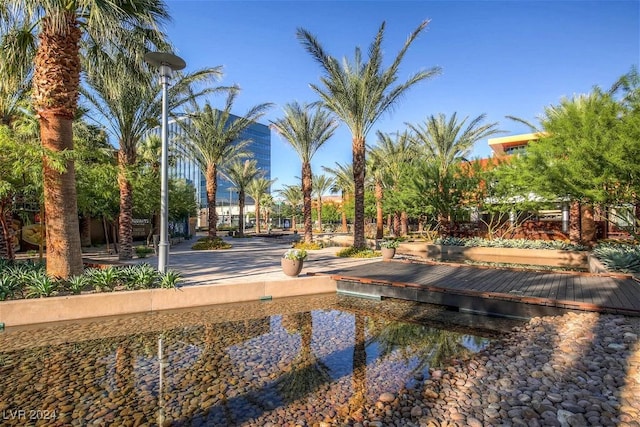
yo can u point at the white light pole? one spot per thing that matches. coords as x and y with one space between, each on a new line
166 62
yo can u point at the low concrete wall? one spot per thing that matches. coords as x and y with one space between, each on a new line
73 307
550 257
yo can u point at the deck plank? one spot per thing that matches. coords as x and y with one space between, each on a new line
582 291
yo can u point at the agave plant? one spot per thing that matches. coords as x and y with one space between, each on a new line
619 257
76 284
141 276
8 286
103 280
170 279
40 285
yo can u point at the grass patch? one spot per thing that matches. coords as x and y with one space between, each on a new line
207 243
353 252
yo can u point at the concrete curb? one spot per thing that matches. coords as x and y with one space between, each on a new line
74 307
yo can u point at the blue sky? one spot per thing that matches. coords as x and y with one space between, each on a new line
498 57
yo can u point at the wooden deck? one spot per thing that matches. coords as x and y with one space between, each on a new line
502 292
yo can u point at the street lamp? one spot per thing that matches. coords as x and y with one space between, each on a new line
166 62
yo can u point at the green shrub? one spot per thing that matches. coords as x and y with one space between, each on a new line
353 252
509 243
207 243
389 243
142 251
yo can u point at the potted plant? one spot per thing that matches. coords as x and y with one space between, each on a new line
388 248
292 260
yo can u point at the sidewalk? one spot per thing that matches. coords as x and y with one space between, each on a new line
249 260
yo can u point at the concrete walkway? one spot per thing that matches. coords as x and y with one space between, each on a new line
249 260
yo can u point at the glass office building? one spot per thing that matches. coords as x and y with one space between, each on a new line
183 167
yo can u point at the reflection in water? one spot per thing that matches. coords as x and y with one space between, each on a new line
311 363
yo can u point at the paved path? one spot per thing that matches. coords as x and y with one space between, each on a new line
249 260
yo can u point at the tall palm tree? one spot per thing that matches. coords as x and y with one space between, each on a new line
292 195
241 174
130 107
448 142
306 129
359 93
257 190
212 138
321 184
343 183
63 27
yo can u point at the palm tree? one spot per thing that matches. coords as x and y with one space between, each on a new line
257 189
359 93
306 129
292 195
390 159
14 86
63 26
130 108
343 183
241 173
212 138
321 184
448 142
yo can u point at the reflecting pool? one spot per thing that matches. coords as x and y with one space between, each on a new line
302 360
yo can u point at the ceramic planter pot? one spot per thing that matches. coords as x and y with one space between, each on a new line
388 253
291 267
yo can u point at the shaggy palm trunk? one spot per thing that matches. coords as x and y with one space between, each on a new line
358 152
6 228
85 231
257 216
55 93
344 212
588 224
320 213
307 186
125 219
404 223
396 223
212 187
379 215
574 223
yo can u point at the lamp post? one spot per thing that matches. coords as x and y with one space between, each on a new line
166 63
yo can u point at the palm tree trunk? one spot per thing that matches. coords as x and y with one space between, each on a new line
212 187
344 212
404 223
396 223
320 213
125 223
358 152
85 231
574 223
241 213
379 193
56 81
306 202
257 216
6 228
